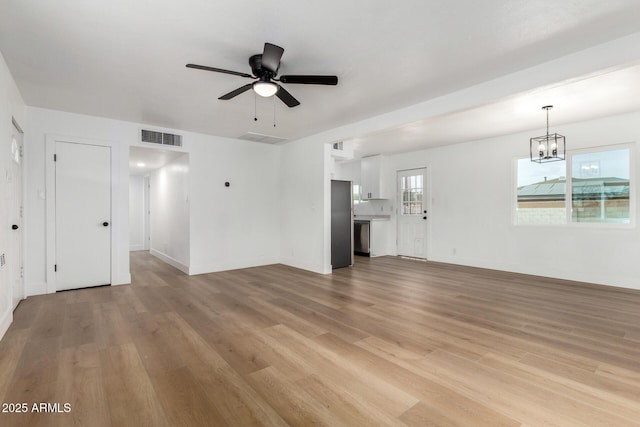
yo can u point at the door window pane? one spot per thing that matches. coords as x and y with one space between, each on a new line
412 191
15 151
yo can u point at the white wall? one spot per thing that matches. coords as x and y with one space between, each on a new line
472 198
305 205
11 106
137 213
231 227
169 205
236 226
348 171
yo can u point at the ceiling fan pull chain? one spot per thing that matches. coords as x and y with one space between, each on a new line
255 108
274 111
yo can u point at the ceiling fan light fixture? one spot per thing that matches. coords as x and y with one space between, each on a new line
265 89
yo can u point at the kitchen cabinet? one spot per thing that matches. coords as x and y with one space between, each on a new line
378 238
371 178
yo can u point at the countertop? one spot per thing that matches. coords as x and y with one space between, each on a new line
372 217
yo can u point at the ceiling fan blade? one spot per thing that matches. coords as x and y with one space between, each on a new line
286 97
271 57
236 92
219 70
310 80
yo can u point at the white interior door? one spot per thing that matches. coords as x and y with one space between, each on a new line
412 213
83 215
15 259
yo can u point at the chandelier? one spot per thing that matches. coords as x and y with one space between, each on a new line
549 147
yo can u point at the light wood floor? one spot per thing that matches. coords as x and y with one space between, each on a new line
389 342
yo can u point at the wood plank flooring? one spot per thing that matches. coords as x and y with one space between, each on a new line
391 342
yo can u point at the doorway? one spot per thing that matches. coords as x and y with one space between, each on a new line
16 213
412 213
159 214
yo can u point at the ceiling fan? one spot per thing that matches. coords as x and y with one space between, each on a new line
264 69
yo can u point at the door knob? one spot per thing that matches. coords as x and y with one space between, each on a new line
14 227
105 224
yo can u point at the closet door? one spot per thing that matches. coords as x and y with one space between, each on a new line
83 215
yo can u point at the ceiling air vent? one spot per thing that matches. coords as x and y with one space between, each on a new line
258 137
161 138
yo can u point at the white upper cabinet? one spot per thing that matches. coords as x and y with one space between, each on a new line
371 178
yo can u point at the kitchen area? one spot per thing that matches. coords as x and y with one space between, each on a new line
370 227
361 220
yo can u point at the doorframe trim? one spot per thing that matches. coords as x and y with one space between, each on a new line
146 194
50 201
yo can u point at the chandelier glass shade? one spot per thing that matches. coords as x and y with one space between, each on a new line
264 88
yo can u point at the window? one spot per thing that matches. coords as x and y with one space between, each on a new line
357 193
597 191
600 186
542 189
412 189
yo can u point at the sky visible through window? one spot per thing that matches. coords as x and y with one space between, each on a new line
611 163
531 173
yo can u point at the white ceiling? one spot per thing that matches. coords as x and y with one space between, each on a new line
600 95
126 60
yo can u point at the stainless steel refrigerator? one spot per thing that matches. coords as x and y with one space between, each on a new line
341 224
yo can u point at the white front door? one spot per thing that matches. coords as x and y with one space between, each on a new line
15 257
83 215
412 213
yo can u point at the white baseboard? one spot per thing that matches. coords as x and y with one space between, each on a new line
171 261
35 288
134 248
123 280
227 265
5 322
313 267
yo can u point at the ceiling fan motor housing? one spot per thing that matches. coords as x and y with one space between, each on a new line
256 67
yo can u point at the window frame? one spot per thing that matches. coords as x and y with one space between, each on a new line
568 200
410 190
